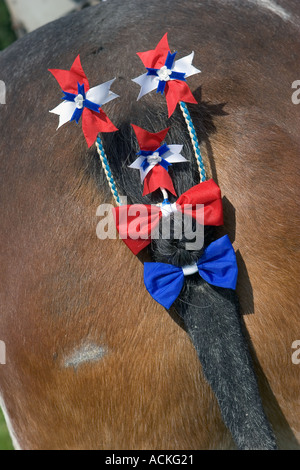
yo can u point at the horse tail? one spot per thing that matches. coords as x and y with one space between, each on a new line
213 321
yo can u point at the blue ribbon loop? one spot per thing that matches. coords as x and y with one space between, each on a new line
170 60
161 87
161 151
217 267
86 103
68 96
77 115
166 202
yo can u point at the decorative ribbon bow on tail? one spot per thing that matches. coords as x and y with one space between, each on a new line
154 160
217 266
166 74
79 100
135 223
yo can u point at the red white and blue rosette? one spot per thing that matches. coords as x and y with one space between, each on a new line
154 160
167 75
81 101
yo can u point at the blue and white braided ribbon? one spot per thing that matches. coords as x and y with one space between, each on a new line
194 139
107 170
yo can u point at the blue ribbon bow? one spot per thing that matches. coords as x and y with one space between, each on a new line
161 151
174 75
86 103
217 266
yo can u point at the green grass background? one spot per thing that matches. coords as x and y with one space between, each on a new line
7 36
5 442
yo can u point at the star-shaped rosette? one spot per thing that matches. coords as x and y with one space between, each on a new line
154 160
79 100
167 75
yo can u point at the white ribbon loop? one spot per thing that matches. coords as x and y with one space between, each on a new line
168 209
190 270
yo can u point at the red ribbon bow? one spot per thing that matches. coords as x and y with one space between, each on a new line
135 223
